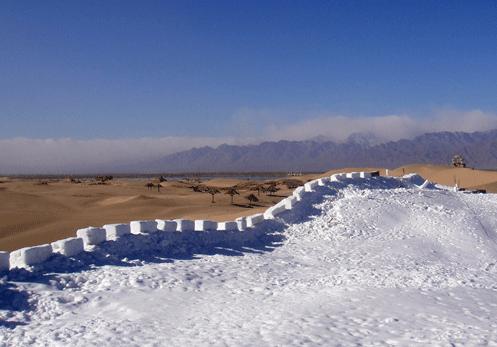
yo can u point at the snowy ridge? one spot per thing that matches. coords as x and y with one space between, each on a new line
213 231
356 262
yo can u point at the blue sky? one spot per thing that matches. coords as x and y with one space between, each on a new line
157 68
247 69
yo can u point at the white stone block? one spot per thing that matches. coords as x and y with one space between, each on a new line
241 223
353 175
227 226
424 185
309 186
166 225
338 177
275 210
365 174
323 180
143 226
68 247
298 193
290 202
92 235
185 225
30 255
254 219
115 231
4 261
205 225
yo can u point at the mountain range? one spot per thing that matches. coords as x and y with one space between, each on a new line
360 150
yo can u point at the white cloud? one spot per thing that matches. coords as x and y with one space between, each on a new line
385 128
27 156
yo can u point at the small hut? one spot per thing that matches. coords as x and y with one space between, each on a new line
458 161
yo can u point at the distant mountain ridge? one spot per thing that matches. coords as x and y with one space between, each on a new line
478 148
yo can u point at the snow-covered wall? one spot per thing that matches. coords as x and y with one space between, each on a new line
69 247
115 231
179 230
91 235
30 255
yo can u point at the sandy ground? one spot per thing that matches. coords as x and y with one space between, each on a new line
32 213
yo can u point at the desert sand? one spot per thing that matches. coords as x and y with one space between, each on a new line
464 177
33 213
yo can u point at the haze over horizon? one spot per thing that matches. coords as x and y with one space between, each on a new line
115 81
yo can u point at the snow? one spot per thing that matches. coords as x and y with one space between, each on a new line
373 261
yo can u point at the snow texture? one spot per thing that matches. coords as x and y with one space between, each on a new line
69 247
143 226
91 235
115 231
359 262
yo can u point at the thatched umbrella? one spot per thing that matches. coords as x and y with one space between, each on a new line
232 192
213 191
252 198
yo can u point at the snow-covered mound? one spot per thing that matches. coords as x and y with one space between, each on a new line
374 261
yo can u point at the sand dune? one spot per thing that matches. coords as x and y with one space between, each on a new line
447 175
